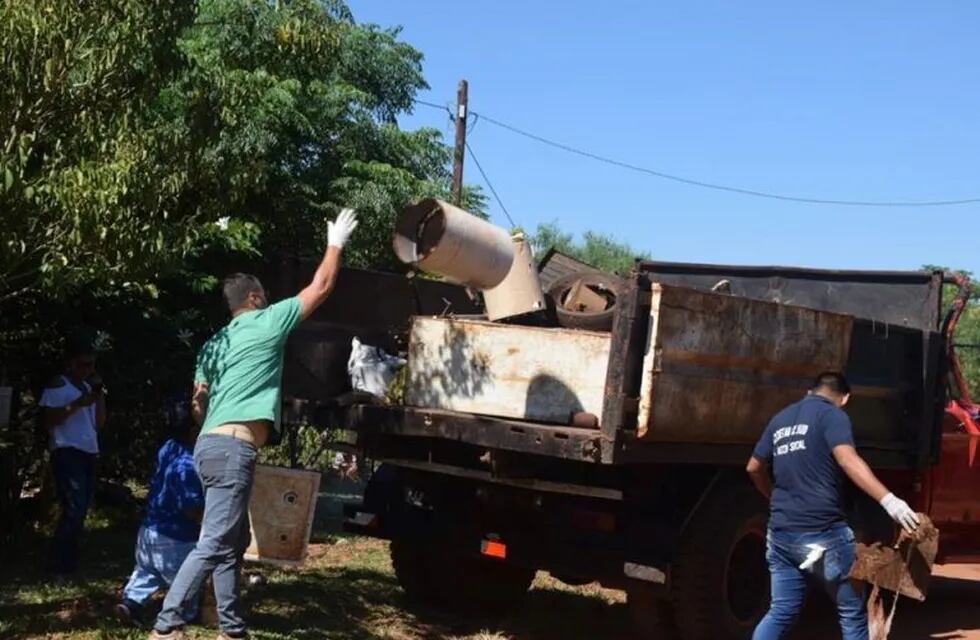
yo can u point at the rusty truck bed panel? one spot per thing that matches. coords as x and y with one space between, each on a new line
695 379
509 371
900 298
373 422
720 387
718 366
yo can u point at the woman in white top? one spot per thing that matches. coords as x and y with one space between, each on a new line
74 408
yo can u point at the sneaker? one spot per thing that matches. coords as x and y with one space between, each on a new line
173 634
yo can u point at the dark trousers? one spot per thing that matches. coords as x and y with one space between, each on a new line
74 476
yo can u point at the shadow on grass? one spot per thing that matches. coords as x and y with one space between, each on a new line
349 593
362 604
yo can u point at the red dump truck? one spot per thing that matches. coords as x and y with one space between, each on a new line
618 456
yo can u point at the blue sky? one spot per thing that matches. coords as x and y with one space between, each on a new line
834 100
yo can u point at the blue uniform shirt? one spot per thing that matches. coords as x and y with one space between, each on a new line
174 489
807 481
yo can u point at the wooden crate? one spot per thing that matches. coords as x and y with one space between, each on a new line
280 513
509 371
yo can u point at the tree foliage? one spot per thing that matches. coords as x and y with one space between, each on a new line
967 336
131 127
597 249
147 146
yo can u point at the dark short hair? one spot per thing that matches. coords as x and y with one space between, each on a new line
79 345
237 288
833 381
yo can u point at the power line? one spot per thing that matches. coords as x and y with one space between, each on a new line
711 185
490 185
440 107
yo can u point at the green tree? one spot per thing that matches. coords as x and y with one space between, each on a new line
132 127
967 336
85 192
149 146
597 249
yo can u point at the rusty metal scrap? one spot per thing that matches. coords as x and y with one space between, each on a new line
904 568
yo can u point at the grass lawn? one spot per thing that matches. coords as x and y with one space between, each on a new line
346 591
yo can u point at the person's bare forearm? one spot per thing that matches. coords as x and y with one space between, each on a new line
762 483
199 403
100 412
759 474
319 289
198 414
863 477
326 274
56 416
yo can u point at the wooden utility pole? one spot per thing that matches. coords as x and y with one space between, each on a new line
459 152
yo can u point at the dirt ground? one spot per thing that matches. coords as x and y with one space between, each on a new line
951 612
347 592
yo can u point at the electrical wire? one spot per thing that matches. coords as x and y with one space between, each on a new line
490 185
440 107
712 185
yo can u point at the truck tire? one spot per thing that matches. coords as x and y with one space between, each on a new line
651 613
486 586
608 285
464 582
720 581
417 571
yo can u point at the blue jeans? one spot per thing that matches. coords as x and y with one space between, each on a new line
158 558
785 552
226 467
74 477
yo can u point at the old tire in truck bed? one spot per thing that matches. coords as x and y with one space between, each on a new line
460 581
608 286
720 582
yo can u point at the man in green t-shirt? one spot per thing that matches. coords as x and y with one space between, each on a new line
236 402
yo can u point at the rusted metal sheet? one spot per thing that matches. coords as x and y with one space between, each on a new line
280 513
546 440
717 367
555 265
527 373
904 568
900 298
520 292
441 238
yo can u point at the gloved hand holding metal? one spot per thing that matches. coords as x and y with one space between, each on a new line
340 229
900 512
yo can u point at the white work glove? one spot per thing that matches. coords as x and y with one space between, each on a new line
900 512
340 229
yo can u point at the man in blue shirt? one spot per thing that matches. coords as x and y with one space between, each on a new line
810 447
171 525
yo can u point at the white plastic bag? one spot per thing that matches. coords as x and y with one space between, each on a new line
371 369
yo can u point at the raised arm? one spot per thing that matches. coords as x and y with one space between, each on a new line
864 478
319 289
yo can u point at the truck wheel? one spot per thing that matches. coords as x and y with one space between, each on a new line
651 613
464 582
720 581
487 586
417 570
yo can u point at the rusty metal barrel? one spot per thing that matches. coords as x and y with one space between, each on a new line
440 238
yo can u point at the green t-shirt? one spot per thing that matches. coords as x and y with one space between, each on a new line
242 365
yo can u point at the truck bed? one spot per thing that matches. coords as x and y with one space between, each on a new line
686 375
